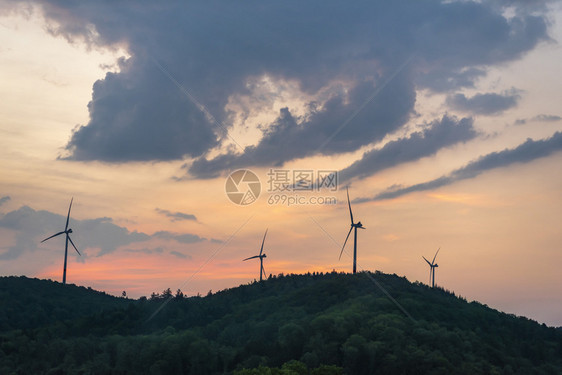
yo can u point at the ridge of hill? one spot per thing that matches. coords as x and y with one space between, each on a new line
31 303
295 324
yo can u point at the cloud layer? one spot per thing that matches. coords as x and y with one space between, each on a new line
176 216
31 226
289 137
439 134
524 153
4 199
539 118
186 56
484 104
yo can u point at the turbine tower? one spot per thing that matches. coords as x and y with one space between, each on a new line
354 226
432 267
67 232
261 256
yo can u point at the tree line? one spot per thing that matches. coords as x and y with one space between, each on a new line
289 324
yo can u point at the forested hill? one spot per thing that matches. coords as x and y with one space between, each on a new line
32 303
298 324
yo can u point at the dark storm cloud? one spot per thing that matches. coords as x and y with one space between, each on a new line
438 81
212 48
140 119
32 226
524 153
176 216
443 133
484 104
289 137
4 199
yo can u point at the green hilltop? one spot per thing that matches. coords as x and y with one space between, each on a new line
296 324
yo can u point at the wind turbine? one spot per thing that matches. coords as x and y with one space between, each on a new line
261 256
432 266
67 232
353 226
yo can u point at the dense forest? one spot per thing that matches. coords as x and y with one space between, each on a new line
295 324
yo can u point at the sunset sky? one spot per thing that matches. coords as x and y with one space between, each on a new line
443 118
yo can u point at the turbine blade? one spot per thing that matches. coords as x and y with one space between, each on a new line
261 250
263 271
73 245
435 256
68 216
348 233
54 235
426 261
255 256
349 204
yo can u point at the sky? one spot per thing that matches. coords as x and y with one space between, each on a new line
441 118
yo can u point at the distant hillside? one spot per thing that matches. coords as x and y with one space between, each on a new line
32 303
298 324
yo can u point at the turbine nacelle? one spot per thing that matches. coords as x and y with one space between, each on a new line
358 225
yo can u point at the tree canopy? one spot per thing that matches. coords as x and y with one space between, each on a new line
295 324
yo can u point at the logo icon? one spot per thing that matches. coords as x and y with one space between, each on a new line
243 187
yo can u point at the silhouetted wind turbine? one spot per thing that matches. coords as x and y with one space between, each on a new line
261 256
432 266
66 231
353 226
